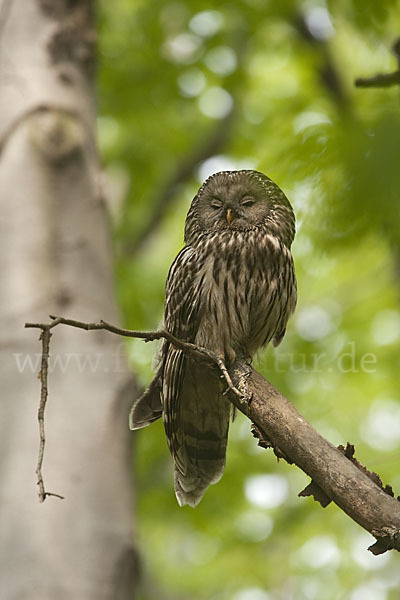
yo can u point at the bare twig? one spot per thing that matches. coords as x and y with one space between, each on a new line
381 80
148 336
45 339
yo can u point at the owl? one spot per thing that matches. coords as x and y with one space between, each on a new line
231 289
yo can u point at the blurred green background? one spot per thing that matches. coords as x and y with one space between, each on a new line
190 88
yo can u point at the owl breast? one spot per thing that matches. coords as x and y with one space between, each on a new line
246 289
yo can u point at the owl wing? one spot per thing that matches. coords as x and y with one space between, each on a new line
288 294
148 407
195 414
180 320
182 302
182 307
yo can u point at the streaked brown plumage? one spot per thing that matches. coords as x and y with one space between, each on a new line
231 289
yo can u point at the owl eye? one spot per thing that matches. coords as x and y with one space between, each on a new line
247 201
215 203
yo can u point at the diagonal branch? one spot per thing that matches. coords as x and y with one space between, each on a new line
341 478
336 475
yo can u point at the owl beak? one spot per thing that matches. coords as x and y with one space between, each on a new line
229 216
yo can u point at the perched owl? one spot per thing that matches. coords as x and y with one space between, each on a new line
231 289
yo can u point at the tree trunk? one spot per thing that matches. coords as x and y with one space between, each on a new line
55 256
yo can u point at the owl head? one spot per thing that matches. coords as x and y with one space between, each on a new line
240 201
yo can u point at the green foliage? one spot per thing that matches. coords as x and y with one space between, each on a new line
169 73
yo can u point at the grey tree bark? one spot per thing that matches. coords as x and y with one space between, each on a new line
55 256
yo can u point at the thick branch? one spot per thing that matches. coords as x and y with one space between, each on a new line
336 475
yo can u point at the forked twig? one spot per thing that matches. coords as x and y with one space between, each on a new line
148 336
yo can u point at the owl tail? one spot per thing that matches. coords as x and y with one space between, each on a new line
147 408
200 446
191 486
